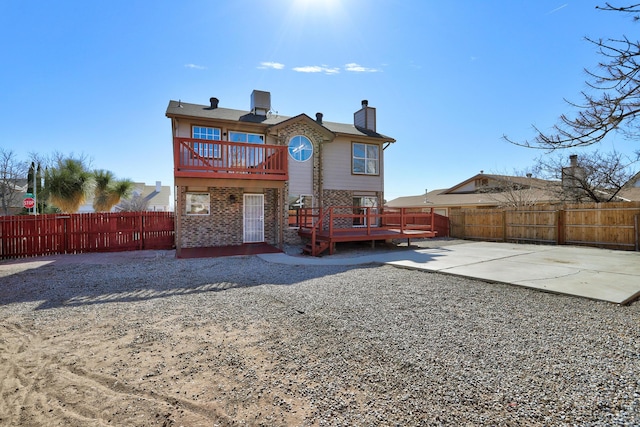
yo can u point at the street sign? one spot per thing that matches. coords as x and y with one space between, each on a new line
28 202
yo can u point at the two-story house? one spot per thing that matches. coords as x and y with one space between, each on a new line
241 175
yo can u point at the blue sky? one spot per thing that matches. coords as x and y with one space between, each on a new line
448 78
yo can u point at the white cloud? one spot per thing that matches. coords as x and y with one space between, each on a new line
273 65
317 69
195 67
357 68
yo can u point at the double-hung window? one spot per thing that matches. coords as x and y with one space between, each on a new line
206 149
366 159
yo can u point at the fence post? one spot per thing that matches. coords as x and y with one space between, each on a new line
504 225
637 232
141 231
560 234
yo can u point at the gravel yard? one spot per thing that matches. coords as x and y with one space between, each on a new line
145 339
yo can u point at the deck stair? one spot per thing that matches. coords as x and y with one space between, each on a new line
325 227
316 250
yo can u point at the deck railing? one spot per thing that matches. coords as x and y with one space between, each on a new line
337 220
223 159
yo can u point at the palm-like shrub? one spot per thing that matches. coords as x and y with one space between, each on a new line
108 191
68 184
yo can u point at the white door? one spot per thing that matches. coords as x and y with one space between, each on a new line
253 212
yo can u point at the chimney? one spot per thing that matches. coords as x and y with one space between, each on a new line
574 160
214 103
365 117
319 118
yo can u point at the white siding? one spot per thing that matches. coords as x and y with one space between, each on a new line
300 177
468 187
336 169
184 129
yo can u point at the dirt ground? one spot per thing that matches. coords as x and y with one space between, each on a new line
133 360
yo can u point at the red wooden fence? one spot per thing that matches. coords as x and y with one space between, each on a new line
33 235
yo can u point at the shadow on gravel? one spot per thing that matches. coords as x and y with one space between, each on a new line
67 281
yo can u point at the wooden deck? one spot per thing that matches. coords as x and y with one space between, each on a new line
336 224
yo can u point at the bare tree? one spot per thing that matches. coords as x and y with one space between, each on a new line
13 180
136 203
594 177
612 102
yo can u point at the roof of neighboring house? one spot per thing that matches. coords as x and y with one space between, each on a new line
467 194
631 194
183 109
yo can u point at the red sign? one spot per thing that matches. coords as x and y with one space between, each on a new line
28 202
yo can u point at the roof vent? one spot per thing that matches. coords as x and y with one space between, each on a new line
319 118
214 103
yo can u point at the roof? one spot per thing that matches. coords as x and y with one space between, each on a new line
183 109
534 190
442 198
464 194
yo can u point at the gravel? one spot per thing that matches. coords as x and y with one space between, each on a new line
333 345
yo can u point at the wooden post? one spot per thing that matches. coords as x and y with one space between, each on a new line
637 232
504 225
560 226
141 244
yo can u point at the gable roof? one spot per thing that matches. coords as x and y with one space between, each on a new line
524 181
328 134
183 109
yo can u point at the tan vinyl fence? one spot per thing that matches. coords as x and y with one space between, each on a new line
606 225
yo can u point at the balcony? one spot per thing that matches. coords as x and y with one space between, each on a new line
198 158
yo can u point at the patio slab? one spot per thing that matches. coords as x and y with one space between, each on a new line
599 274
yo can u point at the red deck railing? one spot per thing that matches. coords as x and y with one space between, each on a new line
231 160
354 223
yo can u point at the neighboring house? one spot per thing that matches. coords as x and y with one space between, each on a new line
631 191
12 196
486 191
157 198
483 191
241 175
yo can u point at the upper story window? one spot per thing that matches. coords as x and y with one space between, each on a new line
206 149
251 138
300 148
366 159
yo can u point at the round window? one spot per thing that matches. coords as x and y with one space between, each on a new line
300 148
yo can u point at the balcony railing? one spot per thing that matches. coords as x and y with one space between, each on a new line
201 158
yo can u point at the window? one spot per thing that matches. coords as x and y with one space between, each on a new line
364 206
300 148
198 204
249 156
206 149
365 159
299 211
251 138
